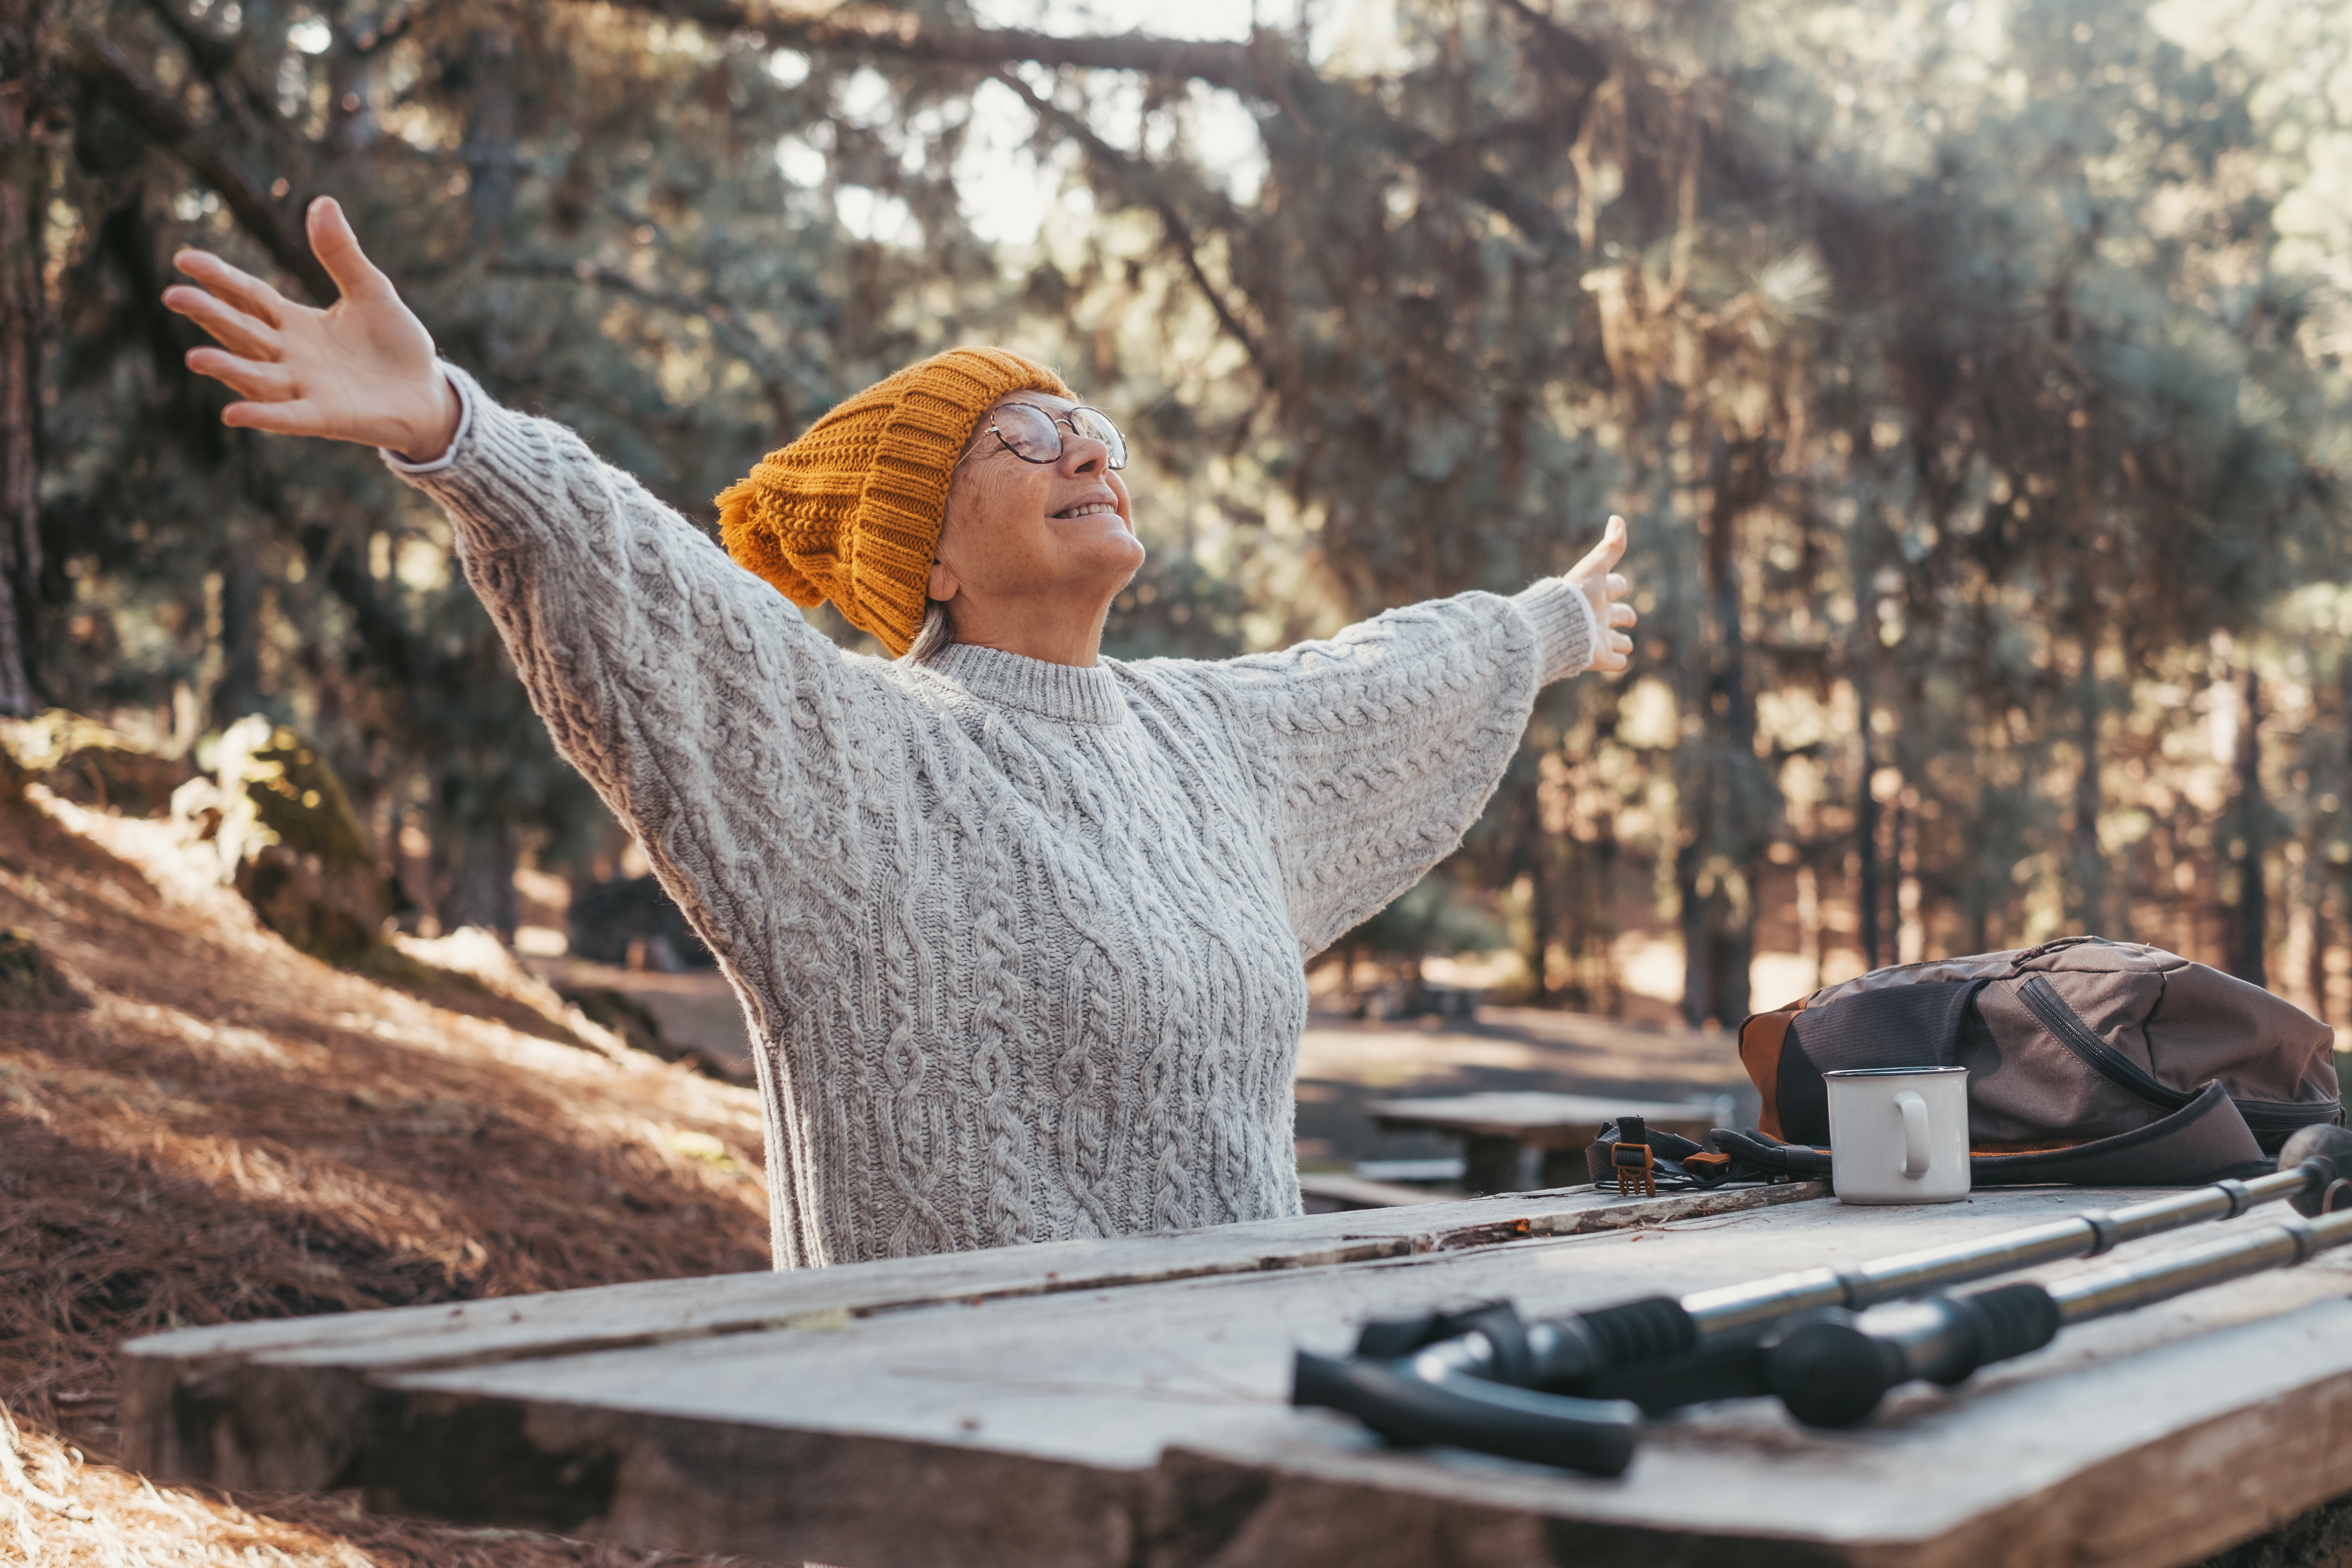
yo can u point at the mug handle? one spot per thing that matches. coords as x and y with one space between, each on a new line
1916 1151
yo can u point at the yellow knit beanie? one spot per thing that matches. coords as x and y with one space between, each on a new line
852 511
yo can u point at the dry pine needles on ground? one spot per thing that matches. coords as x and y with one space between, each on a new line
199 1124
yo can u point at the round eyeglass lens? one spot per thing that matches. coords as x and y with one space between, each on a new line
1029 431
1094 424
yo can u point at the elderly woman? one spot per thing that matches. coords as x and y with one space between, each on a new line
1020 932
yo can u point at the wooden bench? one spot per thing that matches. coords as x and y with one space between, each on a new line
1519 1141
1124 1403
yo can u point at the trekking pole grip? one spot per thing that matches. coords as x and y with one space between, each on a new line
1831 1372
1596 1436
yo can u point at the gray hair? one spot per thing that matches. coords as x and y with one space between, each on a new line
937 635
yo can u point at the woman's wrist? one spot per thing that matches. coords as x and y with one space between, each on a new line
441 447
436 433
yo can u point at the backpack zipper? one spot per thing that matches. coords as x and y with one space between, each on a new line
2042 999
2280 1116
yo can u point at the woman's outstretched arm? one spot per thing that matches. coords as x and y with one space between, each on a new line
692 695
1376 750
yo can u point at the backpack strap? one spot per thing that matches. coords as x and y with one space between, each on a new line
1676 1163
2205 1141
1760 1157
1760 1039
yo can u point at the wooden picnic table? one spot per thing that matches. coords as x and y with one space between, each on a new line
1123 1403
1518 1140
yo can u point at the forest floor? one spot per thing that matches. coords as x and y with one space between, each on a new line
200 1125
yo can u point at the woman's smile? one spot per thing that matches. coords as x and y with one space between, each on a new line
1092 505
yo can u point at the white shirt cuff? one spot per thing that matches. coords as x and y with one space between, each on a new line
400 464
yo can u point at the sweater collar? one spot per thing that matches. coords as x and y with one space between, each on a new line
1061 691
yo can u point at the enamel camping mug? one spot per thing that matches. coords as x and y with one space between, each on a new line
1899 1135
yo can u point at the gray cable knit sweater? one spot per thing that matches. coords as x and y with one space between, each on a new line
1021 945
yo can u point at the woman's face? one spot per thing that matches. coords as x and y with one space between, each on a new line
1016 530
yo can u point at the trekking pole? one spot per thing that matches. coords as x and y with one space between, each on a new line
2314 1172
1474 1389
1663 1353
1834 1371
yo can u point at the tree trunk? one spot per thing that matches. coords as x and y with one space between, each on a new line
2249 932
2089 877
238 691
477 879
24 199
2315 953
1539 926
1718 866
490 133
1866 891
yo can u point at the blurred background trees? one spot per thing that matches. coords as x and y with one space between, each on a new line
1971 373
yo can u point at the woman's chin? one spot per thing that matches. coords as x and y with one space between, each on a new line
1108 546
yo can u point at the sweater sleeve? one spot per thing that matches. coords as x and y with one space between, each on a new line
692 695
1375 751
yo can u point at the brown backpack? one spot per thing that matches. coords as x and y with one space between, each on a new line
2094 1062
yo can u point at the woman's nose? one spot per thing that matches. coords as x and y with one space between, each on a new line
1084 455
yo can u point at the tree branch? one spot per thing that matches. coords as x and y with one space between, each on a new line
1134 173
154 111
845 29
212 56
1573 55
732 337
1263 68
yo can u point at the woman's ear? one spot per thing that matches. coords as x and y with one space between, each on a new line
942 584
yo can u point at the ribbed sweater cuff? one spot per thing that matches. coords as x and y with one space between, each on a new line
1565 627
495 480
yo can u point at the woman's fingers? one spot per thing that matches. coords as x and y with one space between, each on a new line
299 417
1622 615
338 250
236 331
255 379
239 287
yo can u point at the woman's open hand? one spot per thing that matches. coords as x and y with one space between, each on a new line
361 370
1596 575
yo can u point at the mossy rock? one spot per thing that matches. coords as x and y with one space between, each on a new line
24 979
298 798
113 778
80 759
309 872
334 915
625 1016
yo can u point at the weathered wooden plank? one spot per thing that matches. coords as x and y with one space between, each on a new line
1161 1406
279 1404
1537 1118
1362 1193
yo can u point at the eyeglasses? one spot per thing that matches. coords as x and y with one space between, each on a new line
1034 434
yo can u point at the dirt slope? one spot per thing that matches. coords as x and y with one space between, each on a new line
200 1125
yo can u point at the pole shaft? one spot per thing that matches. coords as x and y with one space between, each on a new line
2108 1291
1735 1308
